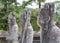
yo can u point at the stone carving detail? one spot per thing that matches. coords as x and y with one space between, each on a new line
27 30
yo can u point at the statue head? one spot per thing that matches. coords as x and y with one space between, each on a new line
13 13
25 16
11 18
44 15
51 9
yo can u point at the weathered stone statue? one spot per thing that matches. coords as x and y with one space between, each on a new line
50 33
13 29
54 31
27 30
44 20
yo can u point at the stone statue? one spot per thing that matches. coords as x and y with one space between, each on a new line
50 33
13 29
27 30
44 20
54 31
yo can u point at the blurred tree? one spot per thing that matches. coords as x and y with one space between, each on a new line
34 20
57 12
4 11
12 5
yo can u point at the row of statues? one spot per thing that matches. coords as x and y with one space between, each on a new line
27 30
50 33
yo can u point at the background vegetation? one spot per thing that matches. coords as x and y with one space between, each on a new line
7 6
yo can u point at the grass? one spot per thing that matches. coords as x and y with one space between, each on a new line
1 30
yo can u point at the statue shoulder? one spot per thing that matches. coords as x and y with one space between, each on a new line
55 30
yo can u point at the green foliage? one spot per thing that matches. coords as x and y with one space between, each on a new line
26 3
57 13
5 8
3 20
34 19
